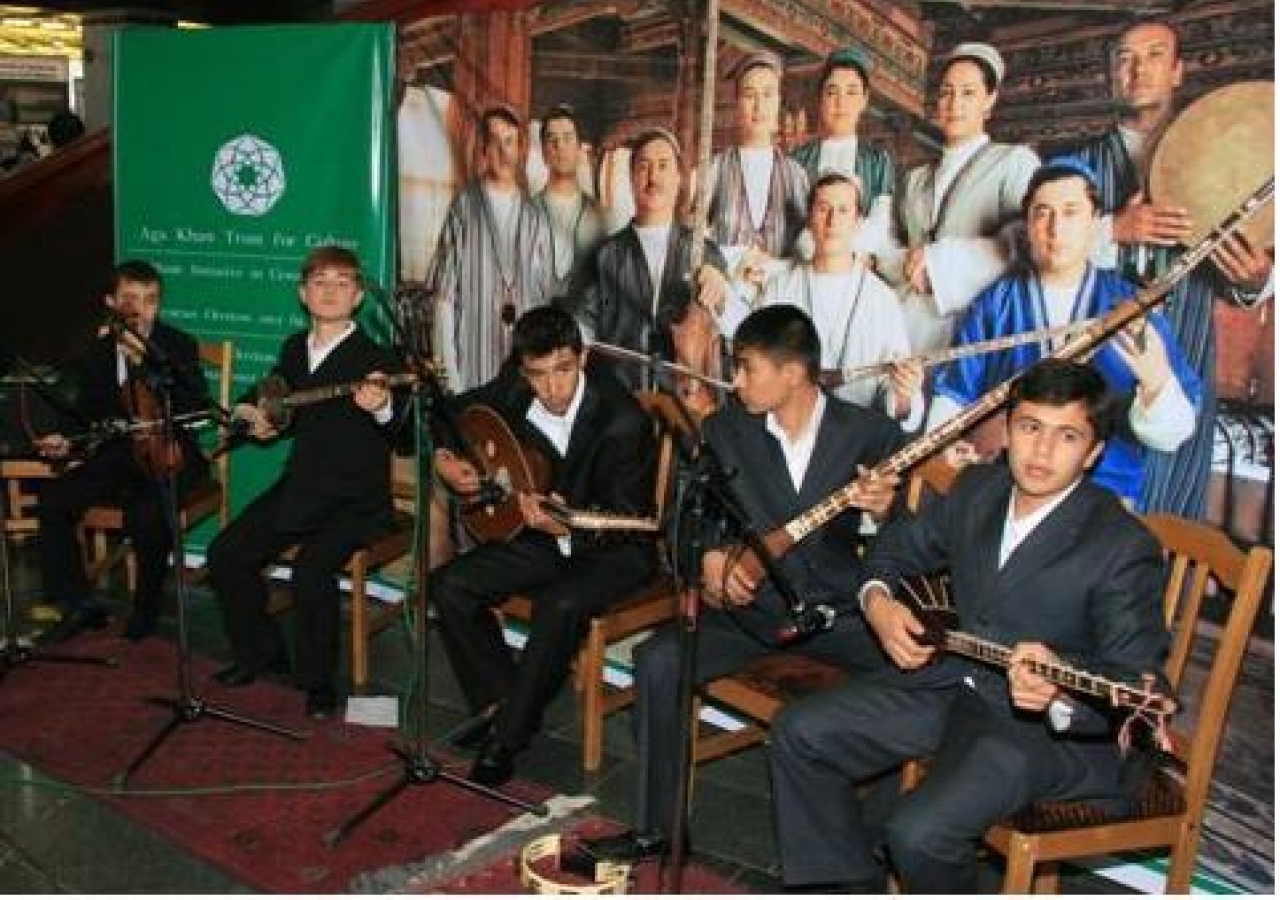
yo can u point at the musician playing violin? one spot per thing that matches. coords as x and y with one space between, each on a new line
116 370
603 455
1041 559
333 496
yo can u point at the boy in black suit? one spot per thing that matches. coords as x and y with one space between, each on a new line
603 455
787 446
116 360
1041 559
333 497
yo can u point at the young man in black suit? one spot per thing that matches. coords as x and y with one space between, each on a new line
1041 559
333 497
117 360
603 455
787 446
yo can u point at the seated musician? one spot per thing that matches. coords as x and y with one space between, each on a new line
858 316
638 283
790 446
113 376
1041 559
603 455
333 496
1059 285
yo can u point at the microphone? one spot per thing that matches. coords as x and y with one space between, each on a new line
806 620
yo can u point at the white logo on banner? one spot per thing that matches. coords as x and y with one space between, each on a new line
248 175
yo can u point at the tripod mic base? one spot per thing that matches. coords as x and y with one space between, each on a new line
420 769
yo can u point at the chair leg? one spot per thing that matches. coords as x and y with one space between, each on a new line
359 622
1020 867
1047 880
591 673
1182 860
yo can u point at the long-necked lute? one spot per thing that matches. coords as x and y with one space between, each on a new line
780 540
833 378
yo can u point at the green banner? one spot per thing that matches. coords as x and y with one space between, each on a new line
237 151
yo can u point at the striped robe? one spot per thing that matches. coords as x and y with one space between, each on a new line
873 167
1176 482
469 333
784 216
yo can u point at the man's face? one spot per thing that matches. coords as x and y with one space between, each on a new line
1050 447
964 103
137 302
561 149
843 100
554 378
762 384
758 104
1061 222
331 294
1145 68
501 149
833 218
655 178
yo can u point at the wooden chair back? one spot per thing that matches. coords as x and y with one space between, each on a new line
1201 558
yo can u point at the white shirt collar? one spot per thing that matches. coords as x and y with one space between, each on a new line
799 453
317 353
558 429
1018 530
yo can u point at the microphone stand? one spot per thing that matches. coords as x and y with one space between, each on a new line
420 768
708 481
186 707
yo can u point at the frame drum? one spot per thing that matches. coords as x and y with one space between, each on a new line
1215 154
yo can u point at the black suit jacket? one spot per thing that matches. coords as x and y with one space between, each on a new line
339 468
610 464
1087 582
825 567
101 397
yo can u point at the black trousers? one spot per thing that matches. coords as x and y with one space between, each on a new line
237 560
726 641
566 592
985 766
109 476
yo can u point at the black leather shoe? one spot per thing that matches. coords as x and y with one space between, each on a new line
494 766
474 733
629 846
321 702
83 618
240 674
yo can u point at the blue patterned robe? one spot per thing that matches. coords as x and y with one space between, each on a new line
1014 305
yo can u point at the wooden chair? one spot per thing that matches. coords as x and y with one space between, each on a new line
761 688
650 607
367 616
20 499
1035 841
105 521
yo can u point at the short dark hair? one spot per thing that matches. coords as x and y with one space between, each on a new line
1059 382
138 271
1140 20
784 334
542 331
648 136
830 178
989 76
331 256
64 127
1049 173
561 111
500 114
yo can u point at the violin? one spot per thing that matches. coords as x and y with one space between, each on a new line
158 454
